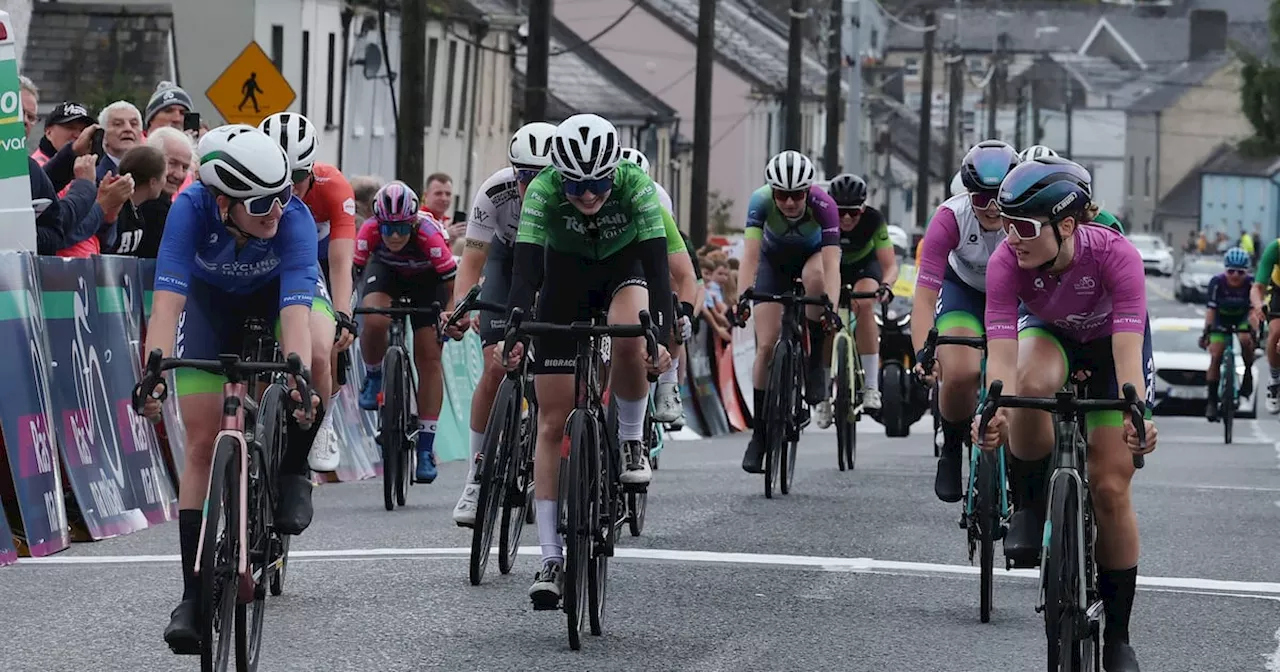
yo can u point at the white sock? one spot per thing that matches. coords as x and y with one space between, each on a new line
1275 375
630 419
548 537
670 375
326 423
477 443
871 367
373 368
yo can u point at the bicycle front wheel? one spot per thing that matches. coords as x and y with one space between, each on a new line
1228 395
791 444
493 479
988 521
271 434
219 554
779 404
579 501
846 424
516 509
1062 602
391 434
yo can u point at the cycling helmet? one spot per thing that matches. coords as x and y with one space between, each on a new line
395 202
636 157
1035 152
1049 186
957 185
586 147
789 171
530 147
1236 258
986 164
296 135
848 190
241 162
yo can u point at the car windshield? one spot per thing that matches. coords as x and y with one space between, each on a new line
1175 340
1145 243
1206 265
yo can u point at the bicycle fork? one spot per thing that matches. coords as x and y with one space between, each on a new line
1091 613
245 584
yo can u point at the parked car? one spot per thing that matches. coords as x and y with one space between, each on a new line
1180 364
1194 273
1156 256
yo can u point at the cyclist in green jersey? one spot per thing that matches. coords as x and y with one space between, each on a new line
592 236
1265 282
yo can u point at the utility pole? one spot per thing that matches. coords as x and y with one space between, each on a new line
926 123
955 99
702 122
835 43
412 120
1020 117
795 52
539 51
1071 100
1036 133
853 111
993 93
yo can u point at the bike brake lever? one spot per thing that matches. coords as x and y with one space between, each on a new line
989 407
1139 425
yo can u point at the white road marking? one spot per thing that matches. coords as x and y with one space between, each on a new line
823 563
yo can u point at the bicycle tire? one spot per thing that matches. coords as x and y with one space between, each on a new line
988 522
219 584
1061 578
606 492
271 435
392 424
638 502
791 445
516 511
408 426
778 407
577 501
1228 395
846 424
493 482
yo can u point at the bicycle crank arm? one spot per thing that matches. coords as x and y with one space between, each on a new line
1094 613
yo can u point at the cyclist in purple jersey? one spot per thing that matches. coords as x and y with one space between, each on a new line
1083 307
1229 308
793 230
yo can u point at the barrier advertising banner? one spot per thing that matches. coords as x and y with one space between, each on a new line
358 454
84 416
368 420
8 553
744 358
704 384
692 419
26 415
728 385
463 364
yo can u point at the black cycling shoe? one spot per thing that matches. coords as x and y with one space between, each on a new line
293 509
946 482
753 459
1024 539
183 632
815 387
1211 410
1119 657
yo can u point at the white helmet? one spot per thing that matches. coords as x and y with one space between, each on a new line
789 171
957 185
1034 152
586 148
296 135
531 146
636 157
241 162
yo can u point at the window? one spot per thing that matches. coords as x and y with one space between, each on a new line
466 78
306 70
911 67
1146 177
328 99
433 45
1130 177
277 46
448 84
976 65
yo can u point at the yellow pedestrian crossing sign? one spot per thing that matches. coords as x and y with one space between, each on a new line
250 89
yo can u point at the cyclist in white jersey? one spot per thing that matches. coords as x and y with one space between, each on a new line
951 282
491 236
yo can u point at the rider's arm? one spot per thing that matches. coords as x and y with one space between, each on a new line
476 250
173 273
883 247
758 209
367 240
651 246
942 236
825 212
434 247
342 235
531 242
296 243
1211 306
1001 318
1124 278
1265 274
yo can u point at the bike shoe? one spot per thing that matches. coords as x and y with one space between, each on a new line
183 632
547 586
293 509
667 406
369 391
1119 657
823 415
753 459
638 470
946 482
1211 410
1025 538
426 470
816 387
1273 399
464 514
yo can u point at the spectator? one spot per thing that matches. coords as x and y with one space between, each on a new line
68 133
1190 246
365 186
136 234
179 153
123 124
437 199
168 107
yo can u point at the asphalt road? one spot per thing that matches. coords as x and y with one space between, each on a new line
852 571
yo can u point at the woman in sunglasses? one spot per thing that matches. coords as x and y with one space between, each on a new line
236 245
1061 295
951 284
1229 307
792 231
402 252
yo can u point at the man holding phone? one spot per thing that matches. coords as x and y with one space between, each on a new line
169 106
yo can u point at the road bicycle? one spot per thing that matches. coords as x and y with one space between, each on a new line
240 555
986 509
850 379
505 463
1228 390
786 412
397 423
591 502
1068 582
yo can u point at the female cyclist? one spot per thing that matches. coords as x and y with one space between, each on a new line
1083 300
1228 308
952 282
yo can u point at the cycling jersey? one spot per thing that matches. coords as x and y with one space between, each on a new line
1228 300
1107 219
868 235
197 246
333 205
495 213
956 240
632 214
819 226
665 199
427 252
1267 266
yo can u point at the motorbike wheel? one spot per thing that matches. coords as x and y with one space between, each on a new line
893 395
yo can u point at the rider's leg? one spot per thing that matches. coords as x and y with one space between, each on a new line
1248 353
426 359
767 318
323 453
819 379
554 390
1217 345
867 336
373 340
957 399
628 384
1272 352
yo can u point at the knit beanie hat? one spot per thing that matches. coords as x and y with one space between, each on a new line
167 93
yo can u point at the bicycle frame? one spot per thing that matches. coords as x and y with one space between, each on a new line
237 412
1001 466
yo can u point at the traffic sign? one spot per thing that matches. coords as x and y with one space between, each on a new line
250 89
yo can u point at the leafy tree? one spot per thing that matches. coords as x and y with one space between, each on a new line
1260 92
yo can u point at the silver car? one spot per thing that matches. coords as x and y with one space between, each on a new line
1180 365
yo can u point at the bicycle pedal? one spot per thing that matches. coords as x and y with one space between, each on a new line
469 526
963 522
546 604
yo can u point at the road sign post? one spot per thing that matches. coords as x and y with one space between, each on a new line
250 89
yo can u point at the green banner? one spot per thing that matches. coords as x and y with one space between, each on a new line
13 135
463 363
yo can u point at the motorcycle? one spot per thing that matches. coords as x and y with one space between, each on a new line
904 399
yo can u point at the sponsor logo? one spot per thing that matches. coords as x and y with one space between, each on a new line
1085 283
1081 321
435 253
533 212
213 238
362 245
1062 205
558 363
1039 283
349 206
241 269
479 215
973 238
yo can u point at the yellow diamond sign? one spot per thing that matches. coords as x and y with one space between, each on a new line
250 89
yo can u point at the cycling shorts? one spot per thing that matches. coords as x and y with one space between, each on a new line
421 289
212 323
1096 358
779 267
496 289
1273 302
574 289
866 267
959 305
1236 323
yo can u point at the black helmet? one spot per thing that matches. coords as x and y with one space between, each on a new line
848 190
986 164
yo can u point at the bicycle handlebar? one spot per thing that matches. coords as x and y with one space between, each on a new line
230 366
786 299
1065 402
392 311
927 355
517 328
469 303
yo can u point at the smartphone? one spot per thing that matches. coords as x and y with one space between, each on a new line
191 122
98 137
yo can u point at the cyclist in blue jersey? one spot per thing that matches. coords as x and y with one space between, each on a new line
1229 307
236 245
793 230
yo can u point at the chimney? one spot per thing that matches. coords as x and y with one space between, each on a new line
1208 28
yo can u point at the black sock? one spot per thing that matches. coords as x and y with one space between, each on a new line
817 336
1116 587
757 421
1028 480
1212 386
298 444
188 539
953 435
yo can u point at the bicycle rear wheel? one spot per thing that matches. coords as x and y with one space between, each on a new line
779 407
579 501
1228 396
391 432
846 424
516 511
493 479
271 434
608 519
1062 579
988 521
219 553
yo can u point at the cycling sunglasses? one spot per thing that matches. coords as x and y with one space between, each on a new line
300 175
1237 271
261 205
526 176
1025 227
396 228
785 196
577 188
852 211
981 199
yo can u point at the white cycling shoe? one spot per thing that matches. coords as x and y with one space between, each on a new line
667 406
822 414
464 514
324 456
871 400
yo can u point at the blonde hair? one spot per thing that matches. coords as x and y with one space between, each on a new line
1091 211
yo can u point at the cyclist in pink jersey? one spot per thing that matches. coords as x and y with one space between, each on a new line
1075 299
